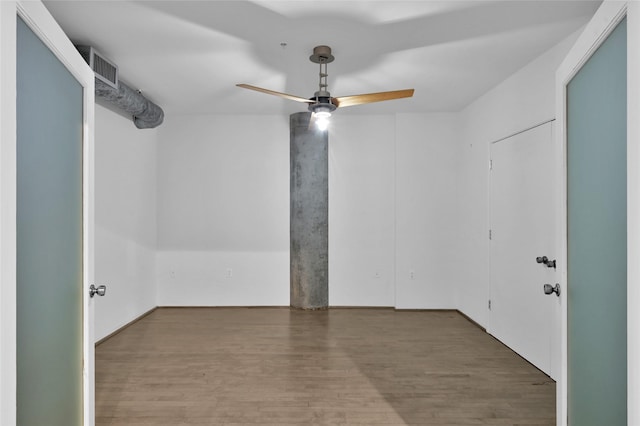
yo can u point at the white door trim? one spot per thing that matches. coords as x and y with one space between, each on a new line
7 213
605 20
633 213
37 17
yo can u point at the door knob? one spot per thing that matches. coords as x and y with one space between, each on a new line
548 289
100 290
546 261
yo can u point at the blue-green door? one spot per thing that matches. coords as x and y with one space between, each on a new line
597 236
49 237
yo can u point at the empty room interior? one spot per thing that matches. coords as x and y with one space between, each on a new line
320 212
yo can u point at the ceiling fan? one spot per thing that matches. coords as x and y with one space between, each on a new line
322 104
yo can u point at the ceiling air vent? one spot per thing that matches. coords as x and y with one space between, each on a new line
104 69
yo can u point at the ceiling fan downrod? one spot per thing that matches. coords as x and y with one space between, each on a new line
322 56
322 86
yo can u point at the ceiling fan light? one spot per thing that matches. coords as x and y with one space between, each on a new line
323 122
322 115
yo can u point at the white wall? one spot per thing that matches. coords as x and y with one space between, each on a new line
525 99
223 205
408 204
426 191
125 188
361 210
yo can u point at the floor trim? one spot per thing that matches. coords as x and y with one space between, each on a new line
110 335
471 320
223 307
130 323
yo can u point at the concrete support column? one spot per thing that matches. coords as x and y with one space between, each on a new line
309 220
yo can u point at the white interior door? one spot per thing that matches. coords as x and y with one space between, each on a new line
523 228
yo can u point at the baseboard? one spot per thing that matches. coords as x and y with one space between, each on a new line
283 307
224 307
361 307
470 320
270 307
425 310
130 323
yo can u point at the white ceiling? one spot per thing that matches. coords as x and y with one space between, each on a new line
187 56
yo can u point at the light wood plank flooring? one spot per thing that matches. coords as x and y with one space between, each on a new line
243 366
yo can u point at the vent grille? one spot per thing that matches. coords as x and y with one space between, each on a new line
104 69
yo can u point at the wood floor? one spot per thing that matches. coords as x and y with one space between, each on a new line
243 366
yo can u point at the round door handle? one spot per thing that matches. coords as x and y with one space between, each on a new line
100 290
549 289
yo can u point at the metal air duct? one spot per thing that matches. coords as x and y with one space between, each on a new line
145 114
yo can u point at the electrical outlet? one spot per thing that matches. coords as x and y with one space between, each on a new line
376 275
229 273
172 274
412 274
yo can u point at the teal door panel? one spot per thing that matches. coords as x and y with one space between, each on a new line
49 237
597 236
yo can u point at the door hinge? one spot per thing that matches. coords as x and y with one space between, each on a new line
490 234
489 304
490 164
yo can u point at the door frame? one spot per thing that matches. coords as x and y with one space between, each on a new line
40 21
604 21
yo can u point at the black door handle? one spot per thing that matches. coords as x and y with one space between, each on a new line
546 261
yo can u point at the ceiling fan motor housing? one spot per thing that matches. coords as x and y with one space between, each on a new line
323 103
321 55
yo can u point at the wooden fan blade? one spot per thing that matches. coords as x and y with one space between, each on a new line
271 92
345 101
